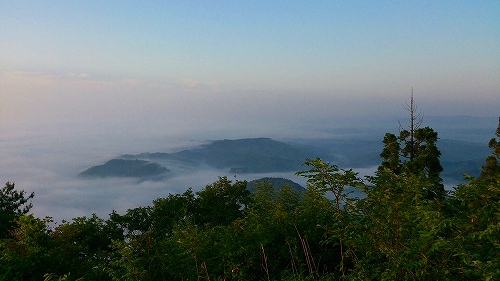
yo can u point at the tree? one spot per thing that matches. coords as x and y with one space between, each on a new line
221 202
398 235
180 236
414 152
170 212
474 211
82 247
409 135
390 154
327 177
135 222
491 169
24 255
13 204
426 161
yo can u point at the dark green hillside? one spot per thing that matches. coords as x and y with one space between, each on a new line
456 150
263 155
276 183
345 152
258 155
167 159
127 168
248 155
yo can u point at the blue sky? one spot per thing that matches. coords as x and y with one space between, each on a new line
89 61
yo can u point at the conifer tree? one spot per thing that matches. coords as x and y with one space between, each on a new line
491 169
13 204
415 152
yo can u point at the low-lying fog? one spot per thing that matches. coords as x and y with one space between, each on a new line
47 159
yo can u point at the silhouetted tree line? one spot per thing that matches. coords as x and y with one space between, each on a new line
405 227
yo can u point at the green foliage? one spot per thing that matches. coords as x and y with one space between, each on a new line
13 204
326 177
135 222
65 277
415 153
170 212
25 252
391 154
80 247
491 169
323 177
169 237
399 232
83 247
221 202
476 217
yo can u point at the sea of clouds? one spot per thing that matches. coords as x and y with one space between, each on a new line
47 158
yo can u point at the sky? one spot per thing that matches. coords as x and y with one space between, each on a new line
83 81
208 61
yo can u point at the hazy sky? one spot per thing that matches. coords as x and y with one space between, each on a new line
187 62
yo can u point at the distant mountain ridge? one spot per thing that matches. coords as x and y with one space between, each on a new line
265 155
276 183
127 168
241 156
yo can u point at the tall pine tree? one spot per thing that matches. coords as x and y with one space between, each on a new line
491 169
415 152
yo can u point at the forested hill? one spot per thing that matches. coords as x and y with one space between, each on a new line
256 155
277 183
265 155
128 168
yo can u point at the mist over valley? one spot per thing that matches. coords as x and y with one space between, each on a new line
48 159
